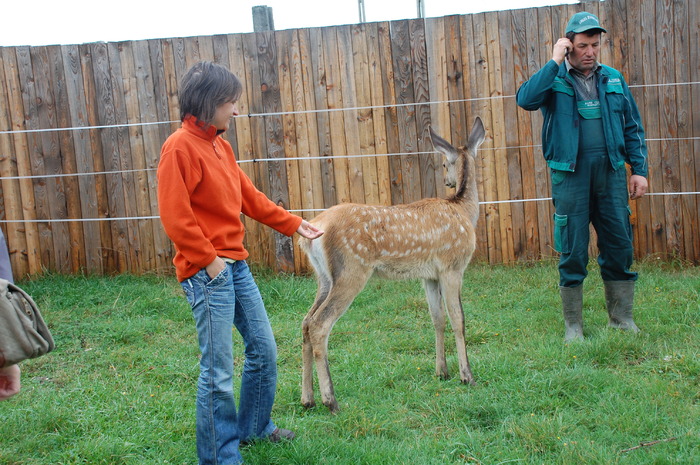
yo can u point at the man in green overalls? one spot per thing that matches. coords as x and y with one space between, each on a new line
591 129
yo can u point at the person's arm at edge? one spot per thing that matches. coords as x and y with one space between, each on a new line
9 381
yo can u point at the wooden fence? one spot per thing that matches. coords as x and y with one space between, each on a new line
333 115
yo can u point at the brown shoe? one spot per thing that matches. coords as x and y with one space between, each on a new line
280 434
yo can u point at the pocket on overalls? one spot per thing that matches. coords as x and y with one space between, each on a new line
561 234
557 176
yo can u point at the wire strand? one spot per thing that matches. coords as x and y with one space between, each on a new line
315 111
309 158
139 218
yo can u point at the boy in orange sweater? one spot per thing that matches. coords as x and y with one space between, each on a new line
202 193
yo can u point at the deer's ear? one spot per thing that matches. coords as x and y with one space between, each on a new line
477 136
444 147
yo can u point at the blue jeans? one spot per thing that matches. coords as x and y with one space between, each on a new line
231 299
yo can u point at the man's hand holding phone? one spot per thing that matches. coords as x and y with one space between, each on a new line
561 50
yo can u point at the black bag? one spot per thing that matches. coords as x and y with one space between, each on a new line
23 333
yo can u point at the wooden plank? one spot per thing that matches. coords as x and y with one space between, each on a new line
669 129
131 150
220 50
174 68
157 90
682 49
221 56
391 116
161 70
351 116
241 124
22 238
11 194
545 190
277 171
641 220
48 163
319 82
244 149
253 85
476 105
206 48
285 63
499 137
307 127
378 113
521 147
191 51
28 157
613 47
83 158
427 161
76 250
86 62
438 88
132 252
403 82
539 52
488 232
141 108
650 117
110 140
15 237
35 158
508 25
694 38
456 87
309 171
336 118
362 90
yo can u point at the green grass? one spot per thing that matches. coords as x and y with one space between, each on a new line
120 386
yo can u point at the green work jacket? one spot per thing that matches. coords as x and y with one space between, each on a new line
551 90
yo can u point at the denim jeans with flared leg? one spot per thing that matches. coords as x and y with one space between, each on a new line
231 299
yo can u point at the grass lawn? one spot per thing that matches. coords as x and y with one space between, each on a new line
120 386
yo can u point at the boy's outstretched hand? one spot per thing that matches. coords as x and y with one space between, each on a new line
308 230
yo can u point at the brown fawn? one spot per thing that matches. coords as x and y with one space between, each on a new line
431 239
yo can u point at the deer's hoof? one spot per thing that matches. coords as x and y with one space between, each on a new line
470 381
308 403
332 406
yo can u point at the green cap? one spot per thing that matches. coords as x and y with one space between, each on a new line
582 22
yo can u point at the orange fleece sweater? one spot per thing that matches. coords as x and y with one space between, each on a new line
201 194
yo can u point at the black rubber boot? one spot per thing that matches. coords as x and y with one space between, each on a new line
572 307
619 298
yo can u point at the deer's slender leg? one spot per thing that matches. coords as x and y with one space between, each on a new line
451 284
435 305
319 325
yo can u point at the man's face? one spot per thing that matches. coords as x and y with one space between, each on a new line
584 56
